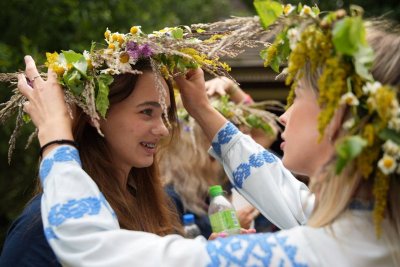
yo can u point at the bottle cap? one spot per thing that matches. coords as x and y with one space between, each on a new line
188 218
215 190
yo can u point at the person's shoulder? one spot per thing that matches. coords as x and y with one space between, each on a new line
25 243
29 218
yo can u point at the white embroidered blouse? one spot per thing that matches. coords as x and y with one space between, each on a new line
83 230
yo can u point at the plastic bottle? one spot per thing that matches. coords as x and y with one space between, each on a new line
190 227
221 213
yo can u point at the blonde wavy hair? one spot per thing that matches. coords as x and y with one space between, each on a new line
186 165
335 192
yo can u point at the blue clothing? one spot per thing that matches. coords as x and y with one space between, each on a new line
203 222
25 243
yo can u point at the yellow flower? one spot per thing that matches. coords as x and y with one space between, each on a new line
114 37
107 34
369 134
59 70
111 46
366 161
124 57
287 9
52 58
380 190
213 38
52 63
134 30
120 39
384 97
307 11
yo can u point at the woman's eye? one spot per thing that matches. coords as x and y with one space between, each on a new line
147 112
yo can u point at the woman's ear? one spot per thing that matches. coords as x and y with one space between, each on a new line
335 125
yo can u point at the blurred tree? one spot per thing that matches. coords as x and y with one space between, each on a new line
36 26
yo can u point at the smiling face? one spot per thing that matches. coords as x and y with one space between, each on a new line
303 153
135 125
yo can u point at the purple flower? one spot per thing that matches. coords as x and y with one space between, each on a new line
136 51
133 50
131 46
145 50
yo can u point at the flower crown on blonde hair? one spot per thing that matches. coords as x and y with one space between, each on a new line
334 44
86 76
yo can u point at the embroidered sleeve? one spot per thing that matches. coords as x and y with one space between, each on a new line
261 178
83 230
256 250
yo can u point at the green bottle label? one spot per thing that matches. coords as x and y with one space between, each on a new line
224 220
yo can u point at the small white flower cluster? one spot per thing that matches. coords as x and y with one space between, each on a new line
305 10
391 150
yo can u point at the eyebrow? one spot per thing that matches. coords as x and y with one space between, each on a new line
150 103
153 104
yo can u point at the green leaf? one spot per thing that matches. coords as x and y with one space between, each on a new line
391 134
177 33
316 10
81 66
268 11
275 63
348 149
264 53
349 35
77 60
363 60
72 56
73 81
26 118
102 102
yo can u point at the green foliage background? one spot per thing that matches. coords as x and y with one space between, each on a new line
36 26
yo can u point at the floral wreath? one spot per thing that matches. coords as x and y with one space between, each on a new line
336 43
256 115
86 76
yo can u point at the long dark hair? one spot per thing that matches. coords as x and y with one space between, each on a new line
151 210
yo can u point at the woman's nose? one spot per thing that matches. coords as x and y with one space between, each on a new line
284 117
160 129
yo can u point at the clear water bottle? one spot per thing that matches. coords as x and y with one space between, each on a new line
190 227
221 213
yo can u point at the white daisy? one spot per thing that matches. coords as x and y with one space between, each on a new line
387 164
349 99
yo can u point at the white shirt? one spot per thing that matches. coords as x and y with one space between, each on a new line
83 230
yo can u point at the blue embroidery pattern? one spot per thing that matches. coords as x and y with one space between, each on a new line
290 251
49 233
257 160
75 208
63 154
107 205
252 250
224 136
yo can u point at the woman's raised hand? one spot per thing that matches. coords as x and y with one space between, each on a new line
195 100
193 92
45 104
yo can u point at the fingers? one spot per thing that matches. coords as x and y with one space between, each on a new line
24 87
51 75
31 71
214 236
247 231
